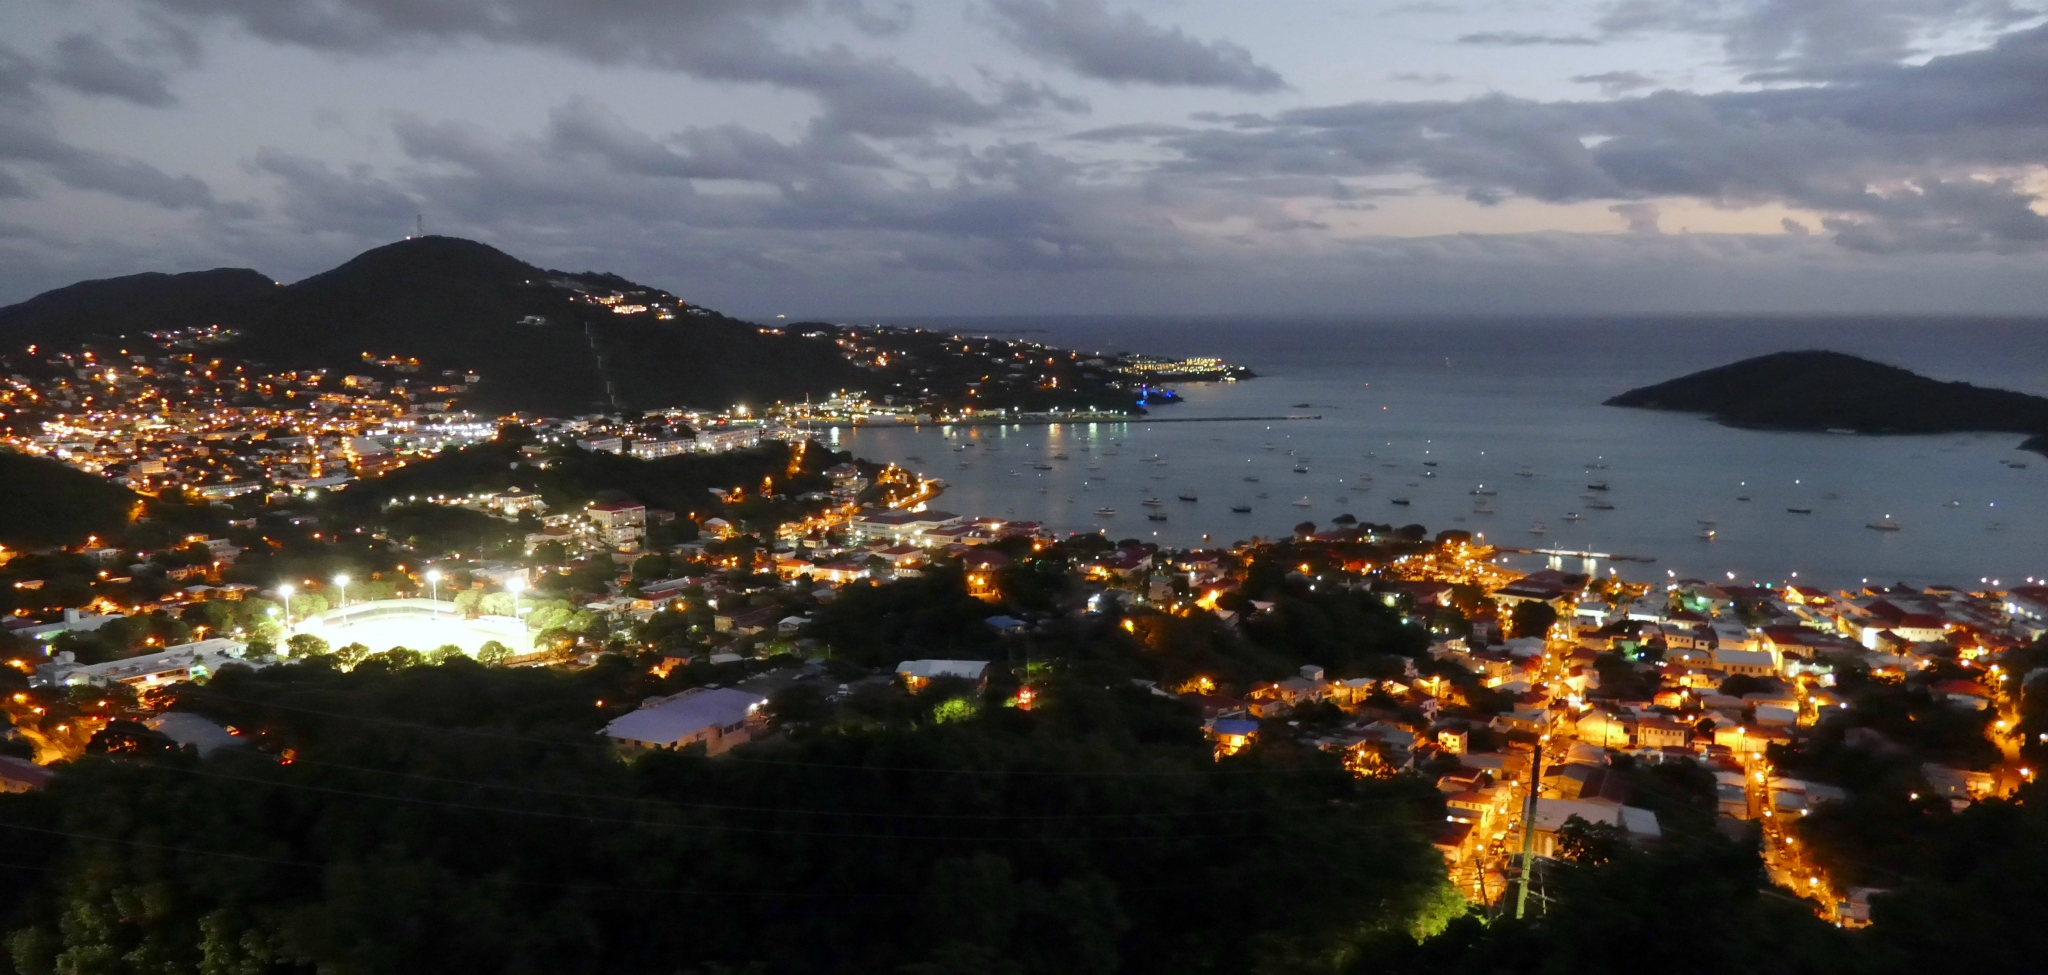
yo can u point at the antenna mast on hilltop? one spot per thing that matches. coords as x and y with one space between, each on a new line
419 222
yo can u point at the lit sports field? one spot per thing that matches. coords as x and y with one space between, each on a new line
416 623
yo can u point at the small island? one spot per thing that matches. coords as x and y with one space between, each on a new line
1818 390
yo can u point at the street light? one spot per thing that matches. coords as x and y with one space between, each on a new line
286 591
434 588
342 581
513 586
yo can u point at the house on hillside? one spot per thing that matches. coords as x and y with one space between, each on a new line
718 718
1640 825
918 673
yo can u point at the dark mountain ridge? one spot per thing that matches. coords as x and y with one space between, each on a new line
1819 390
540 339
135 303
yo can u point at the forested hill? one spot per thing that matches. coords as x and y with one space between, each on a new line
135 303
1819 390
51 503
543 341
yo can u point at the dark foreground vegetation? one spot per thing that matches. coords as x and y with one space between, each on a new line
461 818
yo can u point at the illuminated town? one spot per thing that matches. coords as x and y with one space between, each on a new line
1549 709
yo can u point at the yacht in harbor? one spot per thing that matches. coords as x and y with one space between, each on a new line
1885 524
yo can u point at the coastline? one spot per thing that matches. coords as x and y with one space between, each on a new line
1047 421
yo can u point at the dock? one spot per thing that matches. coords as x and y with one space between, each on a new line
1558 553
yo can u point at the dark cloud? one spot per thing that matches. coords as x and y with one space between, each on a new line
17 79
659 33
1803 38
1085 36
1617 82
29 142
1898 155
880 20
1515 38
719 40
84 63
1130 132
321 200
1641 217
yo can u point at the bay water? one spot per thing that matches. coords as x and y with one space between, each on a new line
1496 426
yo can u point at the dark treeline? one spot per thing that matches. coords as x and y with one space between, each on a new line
458 818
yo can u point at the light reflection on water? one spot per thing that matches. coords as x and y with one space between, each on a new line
1524 399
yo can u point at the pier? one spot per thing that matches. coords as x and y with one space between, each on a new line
1591 559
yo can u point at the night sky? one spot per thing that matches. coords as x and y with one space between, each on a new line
847 158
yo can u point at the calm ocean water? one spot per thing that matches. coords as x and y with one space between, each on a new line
1515 406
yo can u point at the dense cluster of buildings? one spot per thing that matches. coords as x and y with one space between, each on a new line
1695 673
165 414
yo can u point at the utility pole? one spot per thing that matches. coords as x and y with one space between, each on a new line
1529 831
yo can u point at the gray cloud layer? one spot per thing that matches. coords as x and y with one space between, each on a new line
87 64
719 40
1902 157
1512 38
1807 38
907 189
1085 36
29 141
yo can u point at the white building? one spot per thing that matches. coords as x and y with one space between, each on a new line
172 665
718 718
655 449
